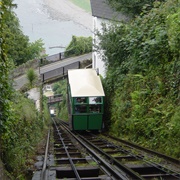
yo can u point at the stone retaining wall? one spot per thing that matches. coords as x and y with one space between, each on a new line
20 70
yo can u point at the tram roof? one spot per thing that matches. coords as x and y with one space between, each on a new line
85 83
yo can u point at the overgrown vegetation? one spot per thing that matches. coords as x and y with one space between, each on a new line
61 88
21 136
31 77
142 84
132 7
5 66
143 78
19 48
21 125
78 46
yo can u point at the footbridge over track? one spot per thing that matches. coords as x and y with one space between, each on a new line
61 72
54 71
54 99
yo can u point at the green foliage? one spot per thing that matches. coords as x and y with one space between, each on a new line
140 45
173 31
61 88
20 126
78 46
133 7
21 136
31 76
143 79
18 48
84 4
5 67
35 49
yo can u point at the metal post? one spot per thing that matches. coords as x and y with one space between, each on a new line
59 56
39 66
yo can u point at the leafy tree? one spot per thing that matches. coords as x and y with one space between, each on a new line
61 88
133 7
79 46
20 50
35 49
16 41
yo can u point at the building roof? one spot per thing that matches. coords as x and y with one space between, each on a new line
85 83
101 9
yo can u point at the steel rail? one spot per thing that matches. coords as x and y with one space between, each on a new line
116 173
43 172
114 161
177 161
155 165
68 155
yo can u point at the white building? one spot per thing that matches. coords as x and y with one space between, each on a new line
102 13
34 94
47 90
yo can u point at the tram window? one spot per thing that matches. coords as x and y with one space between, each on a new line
80 109
80 100
95 100
94 108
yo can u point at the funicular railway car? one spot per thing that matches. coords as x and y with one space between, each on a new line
85 96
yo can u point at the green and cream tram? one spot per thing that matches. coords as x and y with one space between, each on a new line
85 99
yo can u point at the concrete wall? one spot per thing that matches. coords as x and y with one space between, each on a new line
22 69
97 56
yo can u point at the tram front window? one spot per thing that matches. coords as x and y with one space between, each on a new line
80 109
94 108
95 100
80 100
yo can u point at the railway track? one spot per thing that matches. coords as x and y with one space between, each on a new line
132 145
131 158
89 156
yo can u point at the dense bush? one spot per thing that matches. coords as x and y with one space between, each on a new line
21 136
78 46
18 47
61 88
31 77
132 7
21 126
143 78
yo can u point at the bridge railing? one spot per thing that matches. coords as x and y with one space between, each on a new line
56 57
59 72
55 99
53 58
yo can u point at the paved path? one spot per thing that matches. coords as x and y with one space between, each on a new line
20 81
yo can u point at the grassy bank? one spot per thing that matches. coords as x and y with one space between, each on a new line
84 4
